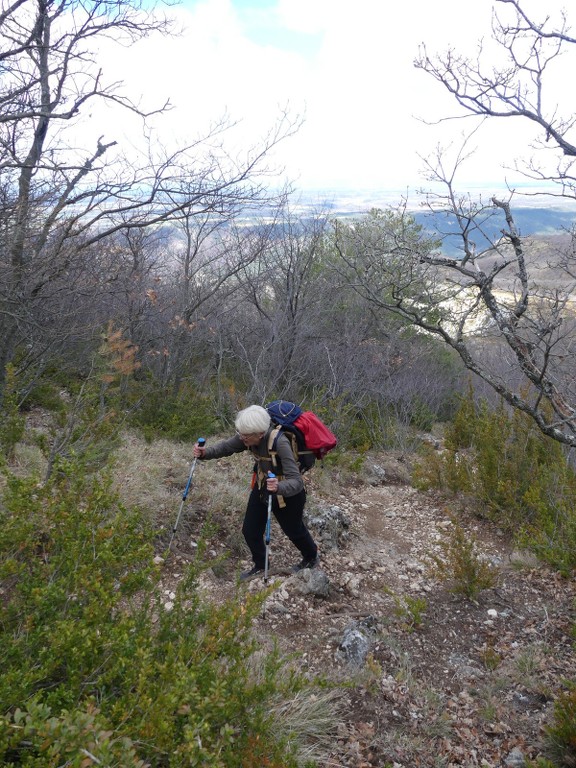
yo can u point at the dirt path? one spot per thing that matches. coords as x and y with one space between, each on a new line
471 685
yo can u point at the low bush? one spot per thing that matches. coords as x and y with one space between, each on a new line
514 474
45 394
12 423
96 669
182 416
560 734
460 563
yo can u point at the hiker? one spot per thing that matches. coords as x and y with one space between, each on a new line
253 425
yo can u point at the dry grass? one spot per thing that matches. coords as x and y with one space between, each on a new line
309 722
307 719
153 477
159 469
28 461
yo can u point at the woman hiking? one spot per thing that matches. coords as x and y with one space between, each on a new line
253 430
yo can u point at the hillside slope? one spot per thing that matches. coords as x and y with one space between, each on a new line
429 678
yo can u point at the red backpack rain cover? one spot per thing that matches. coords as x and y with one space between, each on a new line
311 437
318 438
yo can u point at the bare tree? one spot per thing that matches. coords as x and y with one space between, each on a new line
524 86
285 298
210 254
402 373
295 331
57 201
495 304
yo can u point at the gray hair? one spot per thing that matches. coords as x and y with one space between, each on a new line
252 420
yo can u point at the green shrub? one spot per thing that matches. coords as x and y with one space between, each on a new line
460 564
516 475
96 669
410 610
88 427
45 394
421 415
12 423
560 734
183 416
460 433
441 470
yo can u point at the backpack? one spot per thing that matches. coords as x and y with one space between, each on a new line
309 437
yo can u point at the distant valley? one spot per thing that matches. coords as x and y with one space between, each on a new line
532 216
529 221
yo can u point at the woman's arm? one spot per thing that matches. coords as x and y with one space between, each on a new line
223 448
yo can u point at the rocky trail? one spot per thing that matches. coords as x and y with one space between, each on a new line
429 678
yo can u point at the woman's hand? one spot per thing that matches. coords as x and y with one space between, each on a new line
198 451
272 484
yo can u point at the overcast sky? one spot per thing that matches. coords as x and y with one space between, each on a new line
344 66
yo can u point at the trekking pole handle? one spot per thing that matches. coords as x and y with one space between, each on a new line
201 443
271 476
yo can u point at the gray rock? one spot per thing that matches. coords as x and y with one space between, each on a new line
375 474
515 759
312 581
463 667
329 524
356 642
354 648
278 608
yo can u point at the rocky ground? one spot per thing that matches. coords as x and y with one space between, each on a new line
430 678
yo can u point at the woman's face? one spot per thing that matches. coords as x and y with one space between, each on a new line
252 439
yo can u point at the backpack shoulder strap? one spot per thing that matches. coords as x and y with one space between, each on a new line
273 453
272 441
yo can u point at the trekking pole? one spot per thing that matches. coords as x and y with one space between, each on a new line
201 443
267 534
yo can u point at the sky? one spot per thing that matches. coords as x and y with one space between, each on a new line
343 67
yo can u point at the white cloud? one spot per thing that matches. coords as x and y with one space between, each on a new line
308 17
358 86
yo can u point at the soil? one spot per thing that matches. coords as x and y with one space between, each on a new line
448 681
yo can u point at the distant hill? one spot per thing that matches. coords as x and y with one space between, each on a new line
530 221
545 259
532 217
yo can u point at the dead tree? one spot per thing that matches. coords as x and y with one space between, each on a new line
58 200
506 304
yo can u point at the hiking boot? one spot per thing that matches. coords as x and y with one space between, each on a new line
254 571
306 563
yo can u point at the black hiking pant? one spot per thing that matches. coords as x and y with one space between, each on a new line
290 519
